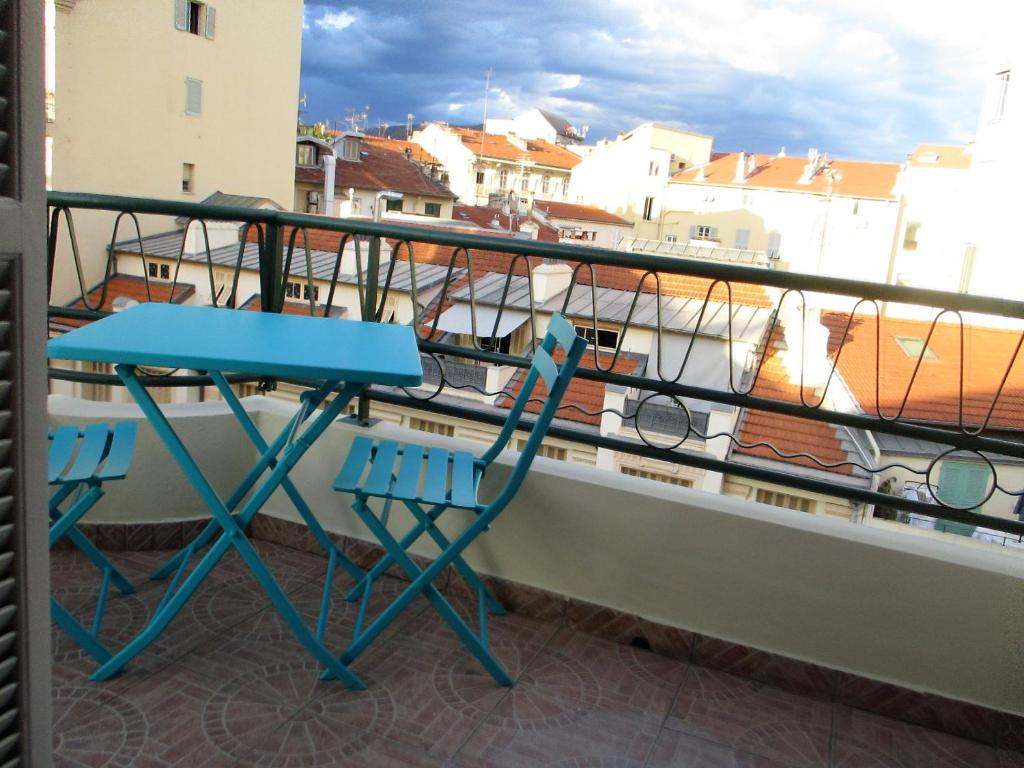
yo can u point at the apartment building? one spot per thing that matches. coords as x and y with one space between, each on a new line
210 91
627 176
483 166
814 215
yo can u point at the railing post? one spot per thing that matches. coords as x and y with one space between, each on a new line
369 313
271 265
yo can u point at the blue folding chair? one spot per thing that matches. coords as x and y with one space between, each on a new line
387 470
80 461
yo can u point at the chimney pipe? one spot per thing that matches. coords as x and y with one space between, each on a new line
329 161
741 166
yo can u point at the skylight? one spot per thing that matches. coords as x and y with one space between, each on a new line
913 346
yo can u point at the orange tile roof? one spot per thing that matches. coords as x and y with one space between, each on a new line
582 394
383 166
255 304
788 434
579 212
946 156
859 179
131 287
416 152
482 215
932 395
499 147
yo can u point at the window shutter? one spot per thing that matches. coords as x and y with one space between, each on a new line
693 231
193 96
742 239
211 21
961 485
774 244
181 14
714 233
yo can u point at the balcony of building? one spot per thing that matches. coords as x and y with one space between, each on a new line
651 623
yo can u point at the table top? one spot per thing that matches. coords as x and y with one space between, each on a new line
238 341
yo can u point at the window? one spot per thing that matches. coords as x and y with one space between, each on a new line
524 184
305 154
305 292
670 479
433 427
503 179
787 501
547 451
479 177
432 209
188 177
910 236
565 187
152 269
165 271
195 18
292 290
545 183
670 238
350 149
193 96
703 232
743 239
915 348
395 205
648 208
502 344
652 168
606 339
774 245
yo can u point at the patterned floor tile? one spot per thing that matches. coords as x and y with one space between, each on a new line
863 739
96 728
580 701
679 750
752 717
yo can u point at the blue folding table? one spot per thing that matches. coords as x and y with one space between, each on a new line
342 355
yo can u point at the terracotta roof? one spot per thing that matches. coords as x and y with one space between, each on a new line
945 156
934 393
859 179
788 434
416 152
585 394
499 147
484 216
579 212
383 166
131 287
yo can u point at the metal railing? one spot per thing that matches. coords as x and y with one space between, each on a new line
648 291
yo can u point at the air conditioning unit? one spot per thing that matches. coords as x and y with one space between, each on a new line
313 198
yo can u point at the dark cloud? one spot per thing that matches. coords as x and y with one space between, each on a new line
855 92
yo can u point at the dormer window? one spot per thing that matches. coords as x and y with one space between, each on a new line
350 149
305 154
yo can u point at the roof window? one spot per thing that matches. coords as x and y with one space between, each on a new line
914 347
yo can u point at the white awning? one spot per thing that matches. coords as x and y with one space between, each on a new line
457 320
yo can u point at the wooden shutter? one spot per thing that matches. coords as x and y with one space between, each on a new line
181 14
211 21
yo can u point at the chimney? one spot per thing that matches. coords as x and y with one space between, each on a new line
741 164
751 166
328 206
782 152
700 174
806 347
811 168
550 279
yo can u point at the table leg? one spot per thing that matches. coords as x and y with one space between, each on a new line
232 533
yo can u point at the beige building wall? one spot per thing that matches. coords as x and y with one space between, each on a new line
628 176
786 497
119 119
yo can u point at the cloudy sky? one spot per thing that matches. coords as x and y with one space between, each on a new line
864 79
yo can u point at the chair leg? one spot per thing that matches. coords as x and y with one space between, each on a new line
78 633
421 582
65 524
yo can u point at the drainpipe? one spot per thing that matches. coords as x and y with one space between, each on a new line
329 161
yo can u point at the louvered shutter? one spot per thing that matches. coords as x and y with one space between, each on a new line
181 14
193 96
742 239
714 233
24 564
693 232
211 21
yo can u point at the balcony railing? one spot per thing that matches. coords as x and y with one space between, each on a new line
681 303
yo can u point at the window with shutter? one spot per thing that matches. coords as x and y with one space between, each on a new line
193 96
181 8
743 239
963 485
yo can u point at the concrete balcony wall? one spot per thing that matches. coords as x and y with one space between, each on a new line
929 615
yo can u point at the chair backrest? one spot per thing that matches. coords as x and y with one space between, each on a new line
556 379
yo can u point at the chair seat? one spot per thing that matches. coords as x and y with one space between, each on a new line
103 453
410 472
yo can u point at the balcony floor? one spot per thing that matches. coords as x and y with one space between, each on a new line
227 686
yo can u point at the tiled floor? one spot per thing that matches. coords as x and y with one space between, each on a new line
228 686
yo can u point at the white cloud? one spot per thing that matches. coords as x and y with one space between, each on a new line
336 21
455 107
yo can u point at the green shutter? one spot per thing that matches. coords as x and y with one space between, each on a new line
961 484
